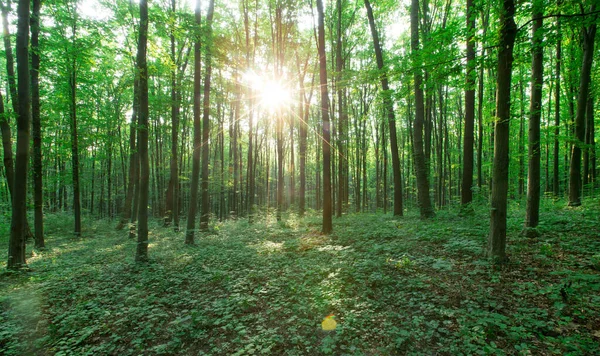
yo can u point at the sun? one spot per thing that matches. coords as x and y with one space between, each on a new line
272 94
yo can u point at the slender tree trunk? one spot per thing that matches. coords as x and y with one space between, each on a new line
390 115
469 138
18 233
420 164
508 31
589 36
555 166
327 207
204 215
10 66
36 127
7 153
141 254
532 217
173 190
133 156
191 218
74 138
591 140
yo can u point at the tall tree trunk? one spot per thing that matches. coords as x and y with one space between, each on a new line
191 218
589 36
342 115
173 190
10 66
12 88
250 169
508 31
532 217
591 140
74 135
132 180
18 233
36 126
7 153
141 254
327 207
555 166
467 174
390 115
420 164
204 215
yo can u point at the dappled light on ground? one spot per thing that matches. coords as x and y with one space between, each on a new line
395 286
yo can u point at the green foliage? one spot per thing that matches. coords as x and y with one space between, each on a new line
395 285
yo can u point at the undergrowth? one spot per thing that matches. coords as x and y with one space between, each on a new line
397 285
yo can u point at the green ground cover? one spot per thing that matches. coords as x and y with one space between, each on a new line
395 285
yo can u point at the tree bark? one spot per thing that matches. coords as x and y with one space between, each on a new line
467 174
191 218
141 254
36 127
173 190
18 233
532 216
589 36
497 236
132 180
204 215
7 153
74 134
420 165
390 115
555 165
327 203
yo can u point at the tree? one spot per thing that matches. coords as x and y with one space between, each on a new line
508 31
191 218
141 254
71 56
389 111
535 112
327 207
16 245
468 137
589 36
419 155
555 163
38 199
206 118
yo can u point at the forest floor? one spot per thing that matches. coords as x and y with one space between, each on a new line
395 285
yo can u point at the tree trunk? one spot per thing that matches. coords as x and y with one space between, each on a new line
467 174
18 233
204 215
74 135
390 115
591 140
10 66
141 254
173 190
420 164
497 237
7 153
555 166
191 218
133 156
589 36
36 126
327 207
535 111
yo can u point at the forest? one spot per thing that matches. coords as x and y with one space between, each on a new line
299 177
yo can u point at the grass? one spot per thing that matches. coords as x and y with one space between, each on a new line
395 285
